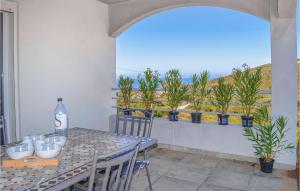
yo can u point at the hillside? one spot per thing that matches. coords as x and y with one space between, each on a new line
266 80
266 74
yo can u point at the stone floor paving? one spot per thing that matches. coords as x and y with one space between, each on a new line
180 171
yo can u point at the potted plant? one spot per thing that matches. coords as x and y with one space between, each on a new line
175 91
247 86
222 95
199 92
126 86
268 138
148 86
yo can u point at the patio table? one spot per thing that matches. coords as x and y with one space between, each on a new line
75 161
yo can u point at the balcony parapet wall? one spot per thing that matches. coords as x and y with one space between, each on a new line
208 138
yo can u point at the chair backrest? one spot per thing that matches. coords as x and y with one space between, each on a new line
133 125
118 170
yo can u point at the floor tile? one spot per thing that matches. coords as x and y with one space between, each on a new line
187 172
229 179
140 181
207 187
160 166
195 175
237 166
258 183
168 154
200 161
173 184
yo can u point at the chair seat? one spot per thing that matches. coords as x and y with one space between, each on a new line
146 143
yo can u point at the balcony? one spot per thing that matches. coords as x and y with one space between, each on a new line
68 49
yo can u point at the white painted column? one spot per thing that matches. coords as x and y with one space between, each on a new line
284 77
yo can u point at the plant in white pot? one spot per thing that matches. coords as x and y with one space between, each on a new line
268 138
198 93
148 86
222 95
247 84
126 85
175 91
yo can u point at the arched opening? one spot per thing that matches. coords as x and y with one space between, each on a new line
194 39
120 22
283 47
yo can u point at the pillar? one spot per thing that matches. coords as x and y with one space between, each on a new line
284 78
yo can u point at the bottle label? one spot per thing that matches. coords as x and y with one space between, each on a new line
60 121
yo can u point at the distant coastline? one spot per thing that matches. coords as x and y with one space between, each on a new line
186 79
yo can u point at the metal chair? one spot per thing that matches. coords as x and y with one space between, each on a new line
141 127
117 172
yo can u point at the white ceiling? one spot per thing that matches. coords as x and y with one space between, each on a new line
112 1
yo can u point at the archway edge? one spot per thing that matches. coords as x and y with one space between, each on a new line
125 14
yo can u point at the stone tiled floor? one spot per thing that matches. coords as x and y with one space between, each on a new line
179 171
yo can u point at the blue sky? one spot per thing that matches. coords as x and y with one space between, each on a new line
193 39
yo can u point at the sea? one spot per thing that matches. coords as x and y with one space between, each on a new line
186 80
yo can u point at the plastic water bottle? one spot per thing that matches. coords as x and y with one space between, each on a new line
61 119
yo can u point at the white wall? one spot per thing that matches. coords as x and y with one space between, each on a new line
223 141
284 77
65 51
209 138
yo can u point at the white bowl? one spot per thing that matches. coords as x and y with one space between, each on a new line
28 137
28 141
30 144
20 151
33 138
47 150
38 143
37 137
60 140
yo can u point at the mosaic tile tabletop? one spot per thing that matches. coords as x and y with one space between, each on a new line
75 158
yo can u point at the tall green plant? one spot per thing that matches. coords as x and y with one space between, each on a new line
269 136
148 86
199 90
174 89
126 86
222 95
247 86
